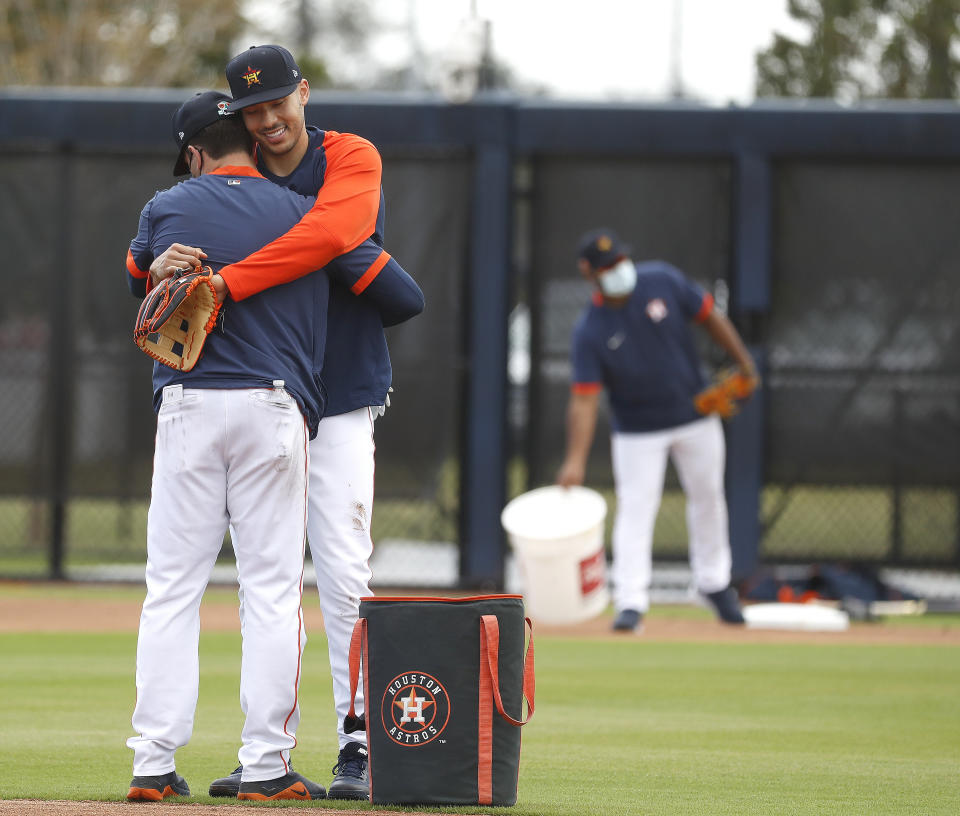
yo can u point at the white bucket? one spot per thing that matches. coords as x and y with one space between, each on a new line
557 535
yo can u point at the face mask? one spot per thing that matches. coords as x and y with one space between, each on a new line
619 280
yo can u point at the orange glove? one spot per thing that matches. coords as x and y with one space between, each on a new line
730 388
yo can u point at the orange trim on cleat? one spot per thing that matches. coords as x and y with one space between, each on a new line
157 788
296 791
150 794
144 795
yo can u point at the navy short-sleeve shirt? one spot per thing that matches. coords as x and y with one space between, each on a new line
643 352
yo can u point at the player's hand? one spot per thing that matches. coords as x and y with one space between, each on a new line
176 256
571 474
751 379
220 285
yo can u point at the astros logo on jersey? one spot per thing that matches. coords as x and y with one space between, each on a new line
656 310
415 708
252 76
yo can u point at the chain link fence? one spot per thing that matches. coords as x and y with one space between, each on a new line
864 364
858 337
77 427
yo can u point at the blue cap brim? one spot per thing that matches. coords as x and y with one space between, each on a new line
262 96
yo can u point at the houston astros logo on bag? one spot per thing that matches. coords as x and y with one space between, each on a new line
415 708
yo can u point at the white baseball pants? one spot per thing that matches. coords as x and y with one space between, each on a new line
236 457
697 450
338 527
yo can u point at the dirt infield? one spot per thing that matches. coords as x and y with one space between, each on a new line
33 807
58 610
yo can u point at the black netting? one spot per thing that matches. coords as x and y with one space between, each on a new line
30 231
418 456
863 412
858 429
77 428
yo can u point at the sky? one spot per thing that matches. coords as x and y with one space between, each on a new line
624 50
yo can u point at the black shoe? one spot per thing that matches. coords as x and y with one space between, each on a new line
627 620
726 602
156 788
350 773
228 785
288 786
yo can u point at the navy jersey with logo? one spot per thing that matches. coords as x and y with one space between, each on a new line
277 334
356 368
643 352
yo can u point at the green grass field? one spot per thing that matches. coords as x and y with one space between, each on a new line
816 523
622 726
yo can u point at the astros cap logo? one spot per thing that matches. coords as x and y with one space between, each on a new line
415 709
604 243
252 76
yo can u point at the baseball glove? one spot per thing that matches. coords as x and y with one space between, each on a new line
730 388
176 316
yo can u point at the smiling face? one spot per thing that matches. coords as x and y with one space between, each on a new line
278 127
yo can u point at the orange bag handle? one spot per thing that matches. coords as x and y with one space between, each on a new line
490 690
490 655
358 652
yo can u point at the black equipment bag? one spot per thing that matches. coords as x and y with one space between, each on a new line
442 681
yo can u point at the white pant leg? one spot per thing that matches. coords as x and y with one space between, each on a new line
185 526
639 464
341 507
266 498
699 454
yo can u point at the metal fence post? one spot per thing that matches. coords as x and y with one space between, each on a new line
750 296
60 383
483 486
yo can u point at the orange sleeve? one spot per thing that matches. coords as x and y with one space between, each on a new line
137 274
586 388
134 270
345 213
705 308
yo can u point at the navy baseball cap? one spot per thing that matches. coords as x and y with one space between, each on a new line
262 73
601 248
193 116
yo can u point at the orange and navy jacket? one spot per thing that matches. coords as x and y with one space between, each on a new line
644 352
277 335
343 171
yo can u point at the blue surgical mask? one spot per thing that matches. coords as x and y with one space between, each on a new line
619 280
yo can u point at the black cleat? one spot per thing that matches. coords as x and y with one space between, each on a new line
157 788
350 773
288 786
726 602
627 620
227 785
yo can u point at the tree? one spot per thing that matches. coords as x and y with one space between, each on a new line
152 43
328 38
335 44
919 61
860 49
